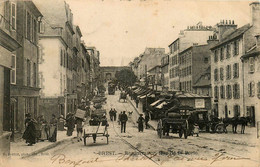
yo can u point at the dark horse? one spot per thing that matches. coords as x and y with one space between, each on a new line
243 121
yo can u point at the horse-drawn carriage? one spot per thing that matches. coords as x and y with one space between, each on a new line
175 120
123 96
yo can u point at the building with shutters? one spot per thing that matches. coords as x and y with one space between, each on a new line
24 75
8 48
58 53
229 74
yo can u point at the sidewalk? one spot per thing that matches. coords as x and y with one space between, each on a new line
20 148
151 123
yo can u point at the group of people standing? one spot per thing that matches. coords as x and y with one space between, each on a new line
39 129
112 114
141 120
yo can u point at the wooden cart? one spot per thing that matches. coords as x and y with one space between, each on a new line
99 131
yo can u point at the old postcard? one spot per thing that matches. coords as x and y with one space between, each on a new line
129 83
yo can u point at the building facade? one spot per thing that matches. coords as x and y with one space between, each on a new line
165 71
193 35
57 52
108 72
24 77
229 75
8 47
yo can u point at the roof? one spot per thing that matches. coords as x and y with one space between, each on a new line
253 52
190 95
202 81
236 33
174 41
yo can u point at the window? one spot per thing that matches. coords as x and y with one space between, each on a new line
228 72
236 110
229 92
236 70
34 75
34 30
251 65
222 92
13 70
236 91
221 71
216 74
206 60
13 15
28 72
228 50
236 48
251 89
216 92
28 26
221 53
216 56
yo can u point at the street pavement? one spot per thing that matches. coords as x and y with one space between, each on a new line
135 148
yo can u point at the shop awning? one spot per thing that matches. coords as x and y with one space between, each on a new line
161 105
142 97
156 102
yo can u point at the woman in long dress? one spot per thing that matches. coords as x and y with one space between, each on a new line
29 134
70 124
53 129
44 129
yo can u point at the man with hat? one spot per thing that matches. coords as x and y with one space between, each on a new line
140 122
123 119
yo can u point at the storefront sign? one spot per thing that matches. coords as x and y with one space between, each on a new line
199 103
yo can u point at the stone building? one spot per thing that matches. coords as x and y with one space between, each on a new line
57 60
8 47
24 83
194 62
149 59
227 69
193 35
165 71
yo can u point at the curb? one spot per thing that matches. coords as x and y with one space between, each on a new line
138 111
47 148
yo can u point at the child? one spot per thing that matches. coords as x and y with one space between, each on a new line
196 129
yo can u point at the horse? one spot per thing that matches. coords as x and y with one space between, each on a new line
243 121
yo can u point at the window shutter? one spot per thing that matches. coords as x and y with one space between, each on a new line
234 70
238 91
249 89
7 15
234 91
258 89
61 57
237 71
253 88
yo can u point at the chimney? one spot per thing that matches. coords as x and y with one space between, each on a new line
255 17
223 27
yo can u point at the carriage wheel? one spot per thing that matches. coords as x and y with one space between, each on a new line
84 138
219 128
160 128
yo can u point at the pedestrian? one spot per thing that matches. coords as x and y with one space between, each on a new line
196 129
111 114
140 122
29 134
79 127
136 101
119 117
114 112
53 128
146 120
43 128
70 124
123 120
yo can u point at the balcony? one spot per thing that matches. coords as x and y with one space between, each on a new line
8 35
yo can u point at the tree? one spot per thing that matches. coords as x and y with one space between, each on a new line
125 77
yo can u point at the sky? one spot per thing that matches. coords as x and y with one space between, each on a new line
122 29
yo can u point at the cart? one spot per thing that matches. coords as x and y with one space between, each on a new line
99 131
175 121
123 96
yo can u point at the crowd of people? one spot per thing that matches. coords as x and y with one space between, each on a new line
40 130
